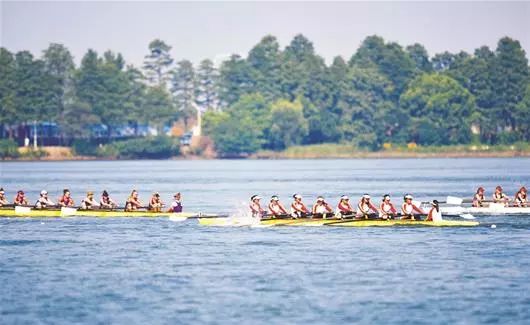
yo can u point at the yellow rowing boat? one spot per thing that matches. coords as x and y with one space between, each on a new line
72 212
333 222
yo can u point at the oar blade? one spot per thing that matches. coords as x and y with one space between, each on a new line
66 211
22 210
454 200
177 218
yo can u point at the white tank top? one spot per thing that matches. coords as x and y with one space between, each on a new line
321 209
407 208
386 207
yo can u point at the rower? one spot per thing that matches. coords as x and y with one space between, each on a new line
133 203
478 198
521 199
344 208
321 208
66 200
434 213
3 199
365 206
500 197
176 205
408 208
106 202
89 203
155 203
255 208
43 202
276 209
298 208
20 199
387 209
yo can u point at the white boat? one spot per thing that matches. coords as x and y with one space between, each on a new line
491 209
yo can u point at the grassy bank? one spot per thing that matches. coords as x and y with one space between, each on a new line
396 151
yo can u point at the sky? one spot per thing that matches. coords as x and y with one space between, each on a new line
214 30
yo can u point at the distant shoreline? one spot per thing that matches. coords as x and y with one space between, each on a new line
303 152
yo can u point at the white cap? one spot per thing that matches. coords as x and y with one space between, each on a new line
255 197
297 196
366 196
408 196
320 199
43 192
344 197
275 198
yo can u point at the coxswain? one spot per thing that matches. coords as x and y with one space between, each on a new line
500 197
20 199
176 205
365 206
106 202
133 203
408 208
387 209
43 202
478 198
276 208
66 200
521 199
155 203
255 208
434 213
3 199
298 208
345 208
89 203
321 208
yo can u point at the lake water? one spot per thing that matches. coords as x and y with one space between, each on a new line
154 271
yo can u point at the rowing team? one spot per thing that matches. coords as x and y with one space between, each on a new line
364 208
520 198
133 203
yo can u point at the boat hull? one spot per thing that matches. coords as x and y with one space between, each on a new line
492 209
220 222
33 213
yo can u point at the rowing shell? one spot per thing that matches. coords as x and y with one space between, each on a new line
492 209
71 212
234 222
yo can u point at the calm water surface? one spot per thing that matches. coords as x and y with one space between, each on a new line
154 271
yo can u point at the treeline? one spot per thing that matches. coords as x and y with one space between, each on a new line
275 98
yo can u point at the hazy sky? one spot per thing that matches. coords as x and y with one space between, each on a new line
216 29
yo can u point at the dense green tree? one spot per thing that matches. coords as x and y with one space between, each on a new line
264 59
389 58
7 90
368 115
510 77
59 64
236 79
419 55
109 89
523 115
242 128
183 85
288 124
35 90
77 119
157 64
158 107
440 110
207 87
475 74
